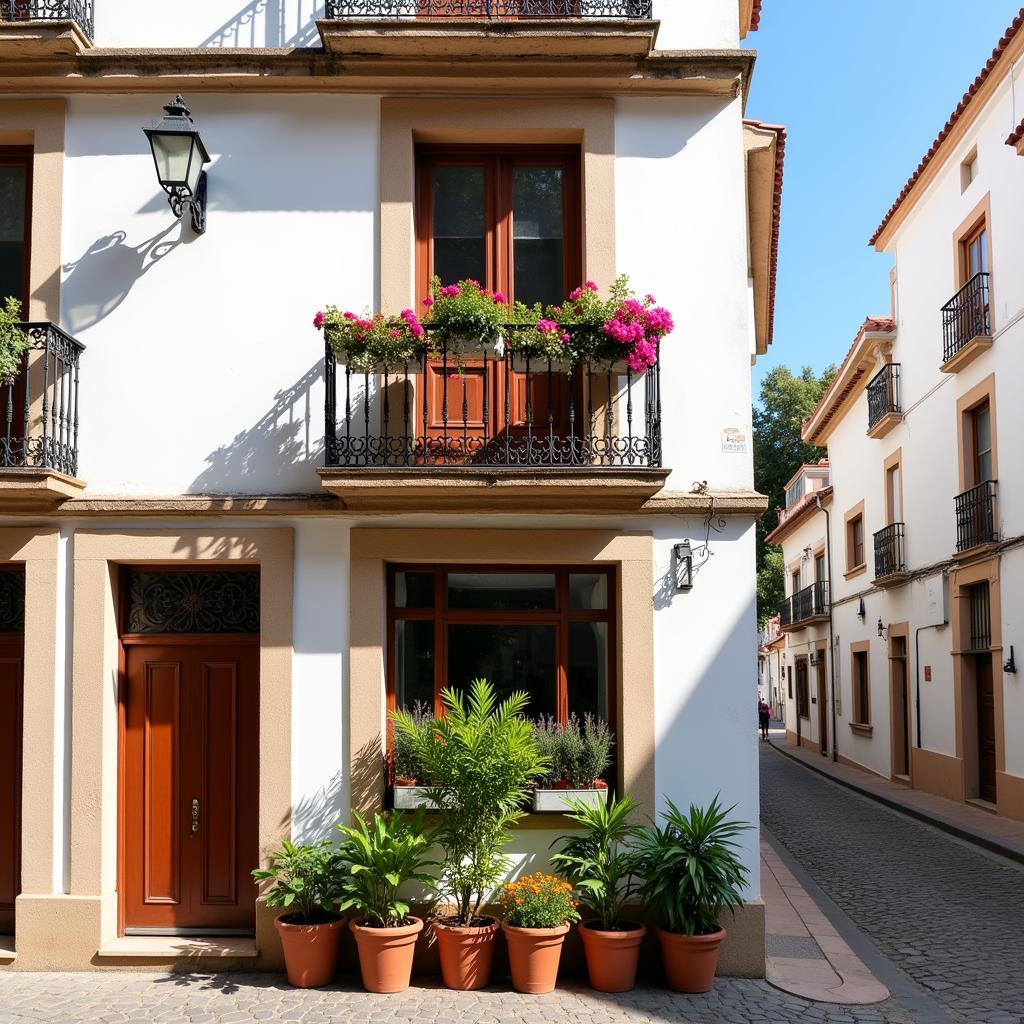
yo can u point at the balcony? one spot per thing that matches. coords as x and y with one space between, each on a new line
492 433
890 556
805 607
976 524
39 422
884 409
45 28
966 325
508 28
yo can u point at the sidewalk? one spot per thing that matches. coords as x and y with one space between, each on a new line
992 831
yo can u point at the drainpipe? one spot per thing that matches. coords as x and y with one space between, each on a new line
831 641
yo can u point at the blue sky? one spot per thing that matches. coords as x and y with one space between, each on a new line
863 87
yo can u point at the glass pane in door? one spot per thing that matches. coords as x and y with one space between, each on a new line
12 232
588 669
460 231
537 234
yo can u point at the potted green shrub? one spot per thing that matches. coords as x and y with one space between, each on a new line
692 873
467 318
601 864
377 860
537 912
372 343
579 755
14 342
305 882
409 791
481 759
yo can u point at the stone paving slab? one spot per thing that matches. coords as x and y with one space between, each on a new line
134 998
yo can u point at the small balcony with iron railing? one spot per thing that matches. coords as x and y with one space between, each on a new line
890 555
31 28
976 522
446 429
805 607
884 408
39 421
966 324
435 28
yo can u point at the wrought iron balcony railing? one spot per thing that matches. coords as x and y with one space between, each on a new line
80 11
884 394
976 517
805 605
491 412
639 10
889 551
40 406
786 613
966 316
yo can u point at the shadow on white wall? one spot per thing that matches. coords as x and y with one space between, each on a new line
273 23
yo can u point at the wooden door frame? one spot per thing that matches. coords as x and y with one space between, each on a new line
901 631
822 687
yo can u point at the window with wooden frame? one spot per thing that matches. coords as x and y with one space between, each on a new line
861 688
794 581
15 223
974 252
855 542
893 491
980 462
819 567
803 707
547 631
509 217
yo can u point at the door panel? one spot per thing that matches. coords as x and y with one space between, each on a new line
986 729
822 709
190 786
10 778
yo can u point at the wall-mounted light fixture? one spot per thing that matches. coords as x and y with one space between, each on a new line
682 555
862 612
1010 665
883 630
179 155
807 553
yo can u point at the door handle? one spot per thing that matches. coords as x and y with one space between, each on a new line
195 816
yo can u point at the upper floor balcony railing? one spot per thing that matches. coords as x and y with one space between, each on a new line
890 556
884 395
79 11
976 524
39 407
490 412
807 605
494 9
966 316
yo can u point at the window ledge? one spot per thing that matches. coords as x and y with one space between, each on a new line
861 728
855 571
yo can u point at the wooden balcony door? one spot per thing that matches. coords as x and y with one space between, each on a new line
986 728
509 218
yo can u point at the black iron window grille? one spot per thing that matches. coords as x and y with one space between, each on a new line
491 412
889 554
40 405
981 617
80 11
884 393
966 316
976 517
12 601
495 9
193 602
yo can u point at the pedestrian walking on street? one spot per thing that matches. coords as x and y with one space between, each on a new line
764 716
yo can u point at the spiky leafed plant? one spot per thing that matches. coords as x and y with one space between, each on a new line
690 868
481 759
599 860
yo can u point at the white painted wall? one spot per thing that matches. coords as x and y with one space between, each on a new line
687 26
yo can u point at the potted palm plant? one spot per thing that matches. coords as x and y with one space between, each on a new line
579 753
692 873
537 912
601 864
409 789
304 881
481 759
377 860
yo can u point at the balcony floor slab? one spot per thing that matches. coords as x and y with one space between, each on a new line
28 490
966 355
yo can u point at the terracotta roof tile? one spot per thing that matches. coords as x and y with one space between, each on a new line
755 16
1016 135
1008 35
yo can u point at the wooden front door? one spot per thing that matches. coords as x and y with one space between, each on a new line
190 790
986 728
822 706
11 677
898 680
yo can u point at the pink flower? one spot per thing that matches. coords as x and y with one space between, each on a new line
547 326
575 295
659 320
449 291
319 320
500 298
428 302
590 286
349 316
566 338
473 284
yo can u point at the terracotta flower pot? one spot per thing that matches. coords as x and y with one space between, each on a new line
690 960
467 954
385 954
533 955
612 957
310 951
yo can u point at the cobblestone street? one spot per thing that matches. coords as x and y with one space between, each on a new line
946 913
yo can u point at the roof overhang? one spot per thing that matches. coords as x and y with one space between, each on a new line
1016 139
750 16
765 146
800 514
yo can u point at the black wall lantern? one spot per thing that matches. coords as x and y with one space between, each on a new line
683 557
179 155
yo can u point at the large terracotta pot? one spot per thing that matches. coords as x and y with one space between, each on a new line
690 960
310 951
612 957
467 954
533 956
385 954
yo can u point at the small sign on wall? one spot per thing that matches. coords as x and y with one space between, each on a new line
927 673
734 441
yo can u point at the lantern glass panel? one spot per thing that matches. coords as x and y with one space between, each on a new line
173 156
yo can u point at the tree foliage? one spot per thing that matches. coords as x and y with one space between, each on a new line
786 400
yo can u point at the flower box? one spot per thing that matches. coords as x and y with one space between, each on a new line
556 801
408 798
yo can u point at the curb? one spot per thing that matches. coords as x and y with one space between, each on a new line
945 824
